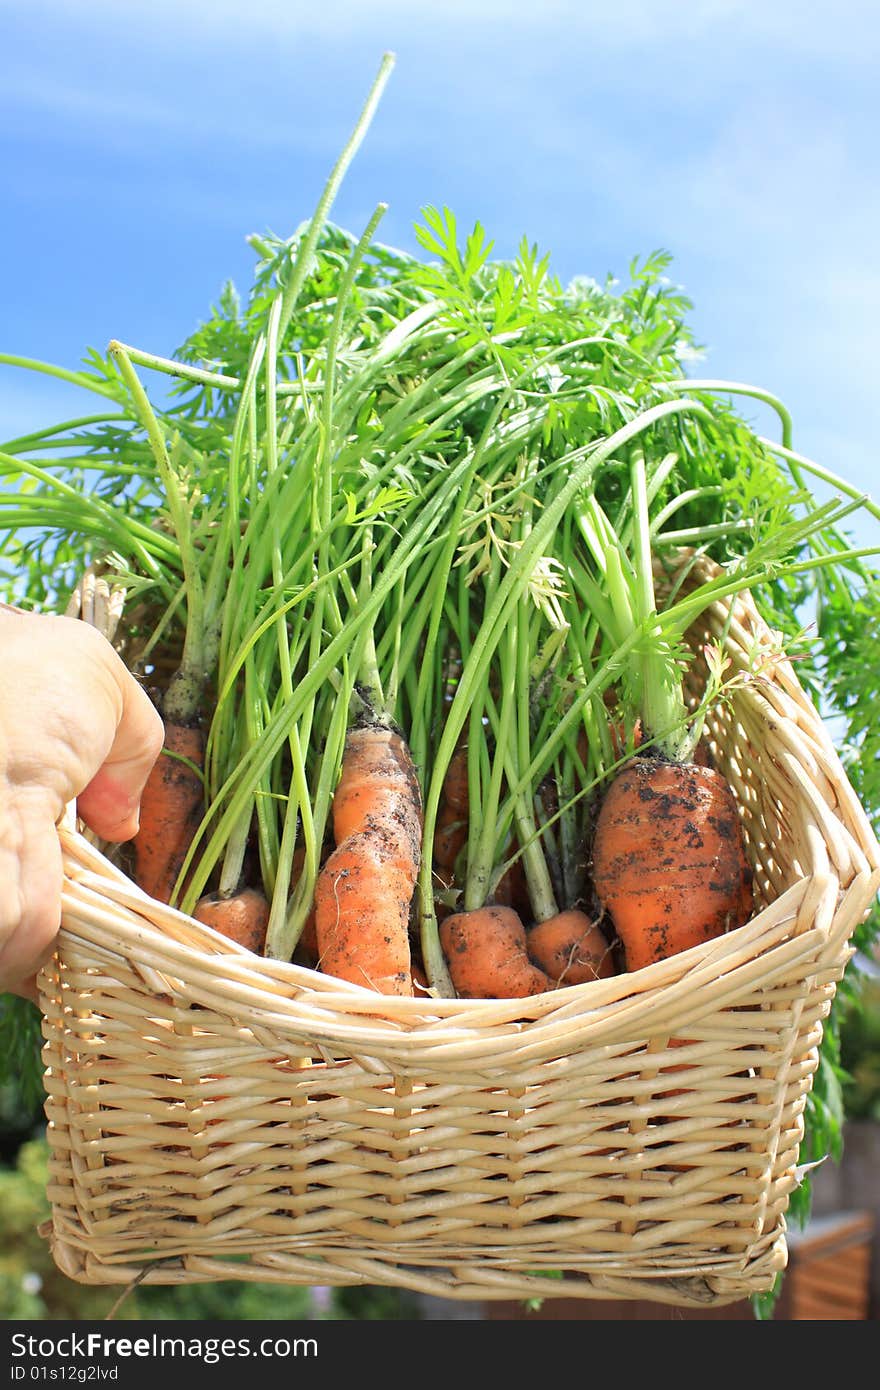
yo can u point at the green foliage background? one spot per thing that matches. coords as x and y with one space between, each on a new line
32 1288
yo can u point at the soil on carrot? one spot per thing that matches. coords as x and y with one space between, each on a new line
669 861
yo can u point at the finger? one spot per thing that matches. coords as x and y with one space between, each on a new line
30 891
110 802
27 989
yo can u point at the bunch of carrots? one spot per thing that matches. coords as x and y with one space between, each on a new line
390 578
659 845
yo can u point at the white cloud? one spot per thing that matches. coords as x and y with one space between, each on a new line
803 25
781 34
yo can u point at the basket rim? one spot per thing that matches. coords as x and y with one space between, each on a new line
174 955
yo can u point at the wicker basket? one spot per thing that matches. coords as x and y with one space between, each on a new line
213 1114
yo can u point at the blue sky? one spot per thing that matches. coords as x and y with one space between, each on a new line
141 141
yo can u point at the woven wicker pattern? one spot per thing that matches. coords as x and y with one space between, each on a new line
214 1114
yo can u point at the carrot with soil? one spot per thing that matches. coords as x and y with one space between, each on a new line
487 955
364 890
508 627
241 916
669 860
571 948
172 805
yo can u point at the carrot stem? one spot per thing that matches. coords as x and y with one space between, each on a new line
182 699
309 241
663 709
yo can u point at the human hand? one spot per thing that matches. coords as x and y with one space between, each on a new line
74 723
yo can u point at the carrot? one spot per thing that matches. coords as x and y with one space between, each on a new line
242 917
570 948
365 888
362 905
421 984
669 860
172 805
455 782
669 863
451 830
702 754
378 779
485 951
450 835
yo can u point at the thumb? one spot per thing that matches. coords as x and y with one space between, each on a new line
110 803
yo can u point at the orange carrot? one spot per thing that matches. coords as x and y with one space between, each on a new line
455 783
485 951
378 780
669 862
512 889
570 948
451 828
364 891
702 754
421 983
618 731
450 834
172 805
362 904
242 917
